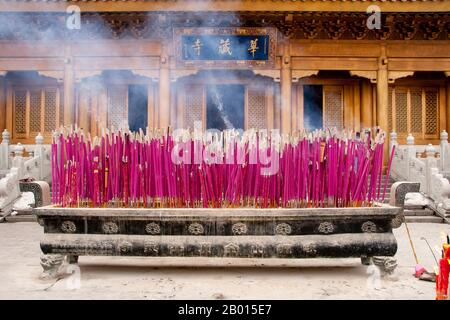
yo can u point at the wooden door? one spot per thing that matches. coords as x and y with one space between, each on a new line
256 108
333 107
414 110
117 106
194 105
36 109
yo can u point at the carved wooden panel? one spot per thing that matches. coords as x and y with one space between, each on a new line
431 98
302 25
414 110
193 105
401 111
36 110
118 106
20 110
256 108
390 113
61 107
333 107
50 109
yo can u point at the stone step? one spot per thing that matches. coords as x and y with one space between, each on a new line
424 219
21 218
418 212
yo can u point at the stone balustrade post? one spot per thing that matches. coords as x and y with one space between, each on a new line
430 164
18 161
40 153
4 150
393 141
443 151
410 153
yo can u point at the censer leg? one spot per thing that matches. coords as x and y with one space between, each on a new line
387 265
72 259
366 261
51 263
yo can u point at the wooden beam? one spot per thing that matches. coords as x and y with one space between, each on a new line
257 5
334 63
333 48
419 64
29 64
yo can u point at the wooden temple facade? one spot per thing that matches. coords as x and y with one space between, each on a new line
396 77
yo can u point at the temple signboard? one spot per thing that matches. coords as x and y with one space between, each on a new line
225 47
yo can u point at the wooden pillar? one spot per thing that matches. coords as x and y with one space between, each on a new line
447 109
300 107
83 107
9 109
277 107
68 91
286 90
294 108
164 90
102 109
349 114
180 106
270 106
382 99
173 105
151 106
94 113
442 101
2 104
366 104
357 106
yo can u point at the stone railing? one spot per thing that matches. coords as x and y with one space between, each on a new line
15 167
37 162
428 165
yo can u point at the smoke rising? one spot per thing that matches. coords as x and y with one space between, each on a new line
43 27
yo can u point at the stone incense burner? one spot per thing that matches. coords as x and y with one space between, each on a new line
364 232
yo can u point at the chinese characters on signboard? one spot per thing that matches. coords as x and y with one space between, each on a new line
228 47
248 47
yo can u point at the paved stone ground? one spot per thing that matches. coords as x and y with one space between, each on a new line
175 278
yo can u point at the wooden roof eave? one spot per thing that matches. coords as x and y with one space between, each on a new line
422 6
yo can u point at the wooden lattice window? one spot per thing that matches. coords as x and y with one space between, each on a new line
333 107
193 105
117 106
414 110
256 108
36 110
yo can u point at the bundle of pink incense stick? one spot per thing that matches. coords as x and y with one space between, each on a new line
229 169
